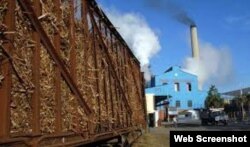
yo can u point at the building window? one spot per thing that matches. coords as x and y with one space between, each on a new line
176 86
165 83
190 103
178 104
189 87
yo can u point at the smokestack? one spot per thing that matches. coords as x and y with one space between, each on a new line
195 47
194 42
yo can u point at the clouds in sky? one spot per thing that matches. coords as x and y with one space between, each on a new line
141 38
214 67
242 21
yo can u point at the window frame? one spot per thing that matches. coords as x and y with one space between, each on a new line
190 102
178 103
176 86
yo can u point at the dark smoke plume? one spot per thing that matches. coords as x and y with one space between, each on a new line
172 9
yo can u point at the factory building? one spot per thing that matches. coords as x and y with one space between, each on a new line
173 91
230 95
238 92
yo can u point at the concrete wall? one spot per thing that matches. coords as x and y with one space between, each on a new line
150 103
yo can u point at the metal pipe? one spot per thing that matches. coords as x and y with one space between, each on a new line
194 42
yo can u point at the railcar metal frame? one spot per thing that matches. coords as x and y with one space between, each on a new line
106 40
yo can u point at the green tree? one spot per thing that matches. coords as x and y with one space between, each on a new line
248 102
213 98
244 104
248 105
241 100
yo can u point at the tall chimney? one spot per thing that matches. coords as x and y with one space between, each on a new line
195 47
194 42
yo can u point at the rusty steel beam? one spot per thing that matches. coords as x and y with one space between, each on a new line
117 93
102 15
126 86
122 65
119 105
134 80
58 83
36 77
122 115
96 138
97 74
72 41
144 98
135 65
105 86
40 139
103 74
127 72
142 89
118 82
29 12
84 12
67 136
142 85
110 61
123 68
115 79
72 37
108 98
117 59
111 94
14 141
5 89
111 86
86 45
123 78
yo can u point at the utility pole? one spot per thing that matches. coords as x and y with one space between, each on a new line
242 104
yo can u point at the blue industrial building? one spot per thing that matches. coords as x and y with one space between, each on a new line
180 86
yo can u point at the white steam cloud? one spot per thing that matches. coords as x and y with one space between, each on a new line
215 65
140 37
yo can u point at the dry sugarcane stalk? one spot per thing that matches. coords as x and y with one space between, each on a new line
47 88
1 79
74 117
22 48
3 10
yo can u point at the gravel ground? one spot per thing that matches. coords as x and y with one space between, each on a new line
152 140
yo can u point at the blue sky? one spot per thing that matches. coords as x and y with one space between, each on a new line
221 23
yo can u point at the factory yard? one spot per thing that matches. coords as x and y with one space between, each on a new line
159 137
